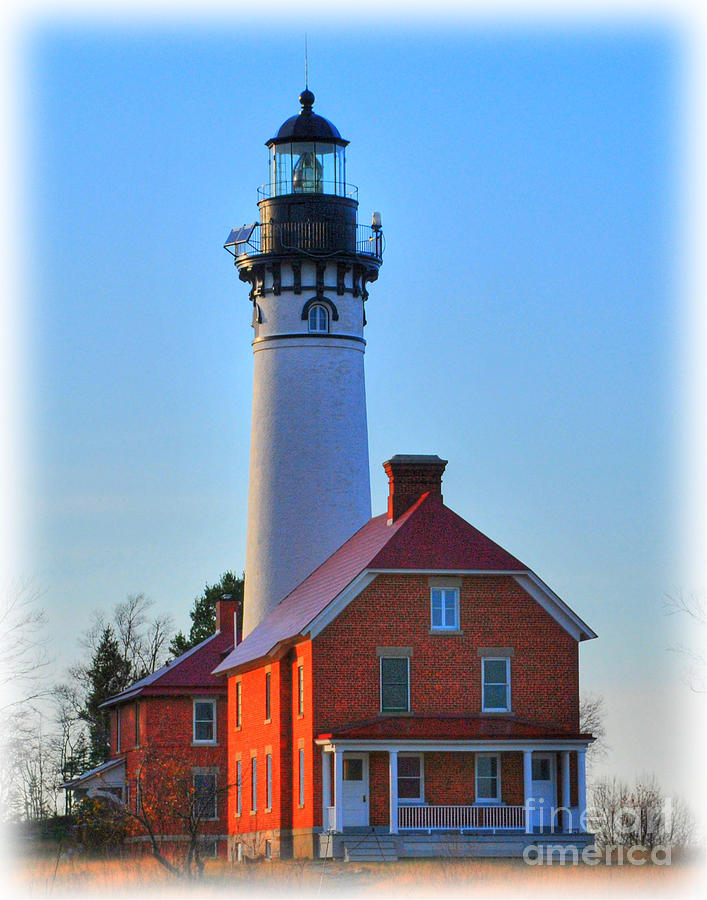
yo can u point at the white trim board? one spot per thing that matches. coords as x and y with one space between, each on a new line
431 746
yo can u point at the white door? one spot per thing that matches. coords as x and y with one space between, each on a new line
355 790
543 792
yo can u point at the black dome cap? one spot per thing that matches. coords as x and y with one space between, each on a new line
307 126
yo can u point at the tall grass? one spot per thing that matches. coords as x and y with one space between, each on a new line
45 874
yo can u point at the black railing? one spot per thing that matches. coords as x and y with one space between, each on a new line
312 238
281 188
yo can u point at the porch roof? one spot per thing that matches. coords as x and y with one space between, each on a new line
100 774
451 728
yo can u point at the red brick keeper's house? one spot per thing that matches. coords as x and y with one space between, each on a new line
417 694
169 728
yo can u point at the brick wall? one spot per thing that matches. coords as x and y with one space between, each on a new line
166 732
445 670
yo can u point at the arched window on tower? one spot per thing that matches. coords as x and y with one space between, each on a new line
318 319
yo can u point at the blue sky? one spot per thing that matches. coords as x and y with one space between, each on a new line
525 325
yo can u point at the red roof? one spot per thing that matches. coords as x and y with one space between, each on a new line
450 728
427 536
192 671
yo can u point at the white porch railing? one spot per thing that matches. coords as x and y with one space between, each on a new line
458 818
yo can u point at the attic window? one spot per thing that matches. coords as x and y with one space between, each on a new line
444 609
204 721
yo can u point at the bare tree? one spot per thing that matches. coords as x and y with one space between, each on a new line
69 744
694 607
24 660
150 650
591 721
638 815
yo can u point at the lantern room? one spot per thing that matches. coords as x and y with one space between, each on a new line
307 156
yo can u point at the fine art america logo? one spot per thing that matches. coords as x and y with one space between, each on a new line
624 835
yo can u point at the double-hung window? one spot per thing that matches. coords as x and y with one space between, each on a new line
496 687
239 704
239 787
204 721
254 784
301 776
268 681
488 781
268 781
395 683
444 609
410 778
300 690
205 807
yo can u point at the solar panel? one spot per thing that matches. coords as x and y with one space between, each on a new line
240 235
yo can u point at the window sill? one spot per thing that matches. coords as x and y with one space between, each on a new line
396 712
268 809
300 806
204 743
267 722
487 803
446 631
497 712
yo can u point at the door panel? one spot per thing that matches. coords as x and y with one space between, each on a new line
355 799
543 792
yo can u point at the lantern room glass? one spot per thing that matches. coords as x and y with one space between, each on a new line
307 167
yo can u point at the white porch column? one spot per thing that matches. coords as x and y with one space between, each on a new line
582 789
528 787
326 789
338 790
566 790
393 757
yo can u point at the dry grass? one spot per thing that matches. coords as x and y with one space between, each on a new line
40 874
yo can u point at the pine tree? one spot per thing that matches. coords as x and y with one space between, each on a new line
108 674
203 612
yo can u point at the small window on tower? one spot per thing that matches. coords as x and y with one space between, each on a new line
318 319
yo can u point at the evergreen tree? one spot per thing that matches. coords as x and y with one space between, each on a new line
108 674
203 612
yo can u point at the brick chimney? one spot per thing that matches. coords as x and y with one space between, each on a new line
228 617
409 477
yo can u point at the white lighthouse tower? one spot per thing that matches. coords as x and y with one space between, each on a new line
308 263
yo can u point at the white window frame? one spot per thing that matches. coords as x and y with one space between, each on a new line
253 784
507 661
421 799
213 774
380 681
118 728
239 704
268 782
301 777
314 312
300 690
239 787
444 626
487 801
212 702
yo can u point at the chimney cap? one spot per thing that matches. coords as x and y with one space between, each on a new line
416 459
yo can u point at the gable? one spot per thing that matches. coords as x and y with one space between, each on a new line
428 538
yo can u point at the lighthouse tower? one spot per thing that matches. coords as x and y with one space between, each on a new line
308 263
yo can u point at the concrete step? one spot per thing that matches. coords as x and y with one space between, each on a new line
370 848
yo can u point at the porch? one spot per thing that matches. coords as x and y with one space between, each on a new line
433 794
